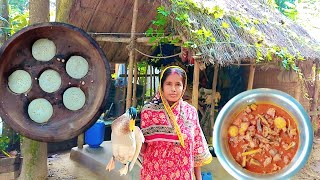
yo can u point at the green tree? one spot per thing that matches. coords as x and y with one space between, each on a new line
19 6
288 8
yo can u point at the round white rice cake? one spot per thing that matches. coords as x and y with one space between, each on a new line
40 110
77 67
74 98
19 81
43 50
50 81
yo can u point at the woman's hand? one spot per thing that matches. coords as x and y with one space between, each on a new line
197 173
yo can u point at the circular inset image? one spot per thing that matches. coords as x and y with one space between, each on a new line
19 81
43 50
77 67
50 81
40 110
74 98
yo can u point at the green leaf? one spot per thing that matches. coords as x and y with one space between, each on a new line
255 21
149 32
4 19
175 40
163 11
269 56
253 30
152 39
225 25
290 5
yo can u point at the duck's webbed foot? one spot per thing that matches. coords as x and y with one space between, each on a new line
111 165
124 170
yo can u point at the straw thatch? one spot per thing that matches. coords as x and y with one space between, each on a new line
271 27
110 16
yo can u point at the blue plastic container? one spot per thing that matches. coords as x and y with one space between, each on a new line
206 175
94 136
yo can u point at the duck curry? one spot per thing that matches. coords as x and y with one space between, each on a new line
263 138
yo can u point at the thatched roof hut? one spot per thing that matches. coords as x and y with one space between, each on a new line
250 22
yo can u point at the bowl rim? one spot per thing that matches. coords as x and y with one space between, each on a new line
301 161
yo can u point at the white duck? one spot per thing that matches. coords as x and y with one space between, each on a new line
126 139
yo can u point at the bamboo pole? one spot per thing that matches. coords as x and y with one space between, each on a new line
131 53
214 90
125 89
195 89
151 79
315 121
111 38
134 98
145 85
139 75
154 80
251 77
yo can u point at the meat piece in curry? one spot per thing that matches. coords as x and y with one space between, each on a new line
263 138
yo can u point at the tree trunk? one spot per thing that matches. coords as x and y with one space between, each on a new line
39 11
63 8
3 13
34 165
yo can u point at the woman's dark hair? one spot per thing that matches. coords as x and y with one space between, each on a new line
173 70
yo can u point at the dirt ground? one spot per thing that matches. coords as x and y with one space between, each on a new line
311 171
60 166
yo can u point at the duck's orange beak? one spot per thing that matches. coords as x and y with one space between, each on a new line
132 124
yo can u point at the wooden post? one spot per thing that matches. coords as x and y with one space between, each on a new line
251 76
154 80
134 97
214 90
195 89
151 78
297 91
131 53
145 85
315 121
116 69
125 89
80 141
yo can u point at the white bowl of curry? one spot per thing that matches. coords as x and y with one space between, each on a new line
263 134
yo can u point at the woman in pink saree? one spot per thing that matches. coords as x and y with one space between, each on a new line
175 147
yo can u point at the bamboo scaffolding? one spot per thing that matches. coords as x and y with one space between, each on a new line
131 53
